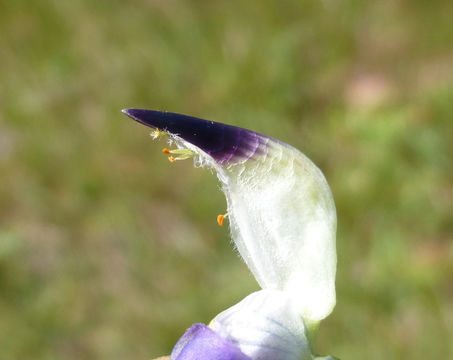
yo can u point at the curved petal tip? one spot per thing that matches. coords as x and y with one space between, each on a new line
221 141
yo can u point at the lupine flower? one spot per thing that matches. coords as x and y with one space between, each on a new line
283 223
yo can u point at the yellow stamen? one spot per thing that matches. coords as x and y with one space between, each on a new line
156 133
221 219
182 154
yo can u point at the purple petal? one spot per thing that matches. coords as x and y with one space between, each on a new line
221 141
200 342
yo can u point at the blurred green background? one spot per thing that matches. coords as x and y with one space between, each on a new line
108 251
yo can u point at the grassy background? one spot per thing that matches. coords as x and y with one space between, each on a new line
108 251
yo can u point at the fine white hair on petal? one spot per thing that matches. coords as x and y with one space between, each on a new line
283 222
266 325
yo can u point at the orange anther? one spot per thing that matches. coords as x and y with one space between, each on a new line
171 159
166 151
220 219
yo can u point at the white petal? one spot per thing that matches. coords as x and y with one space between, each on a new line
266 325
283 222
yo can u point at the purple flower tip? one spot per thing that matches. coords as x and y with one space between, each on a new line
200 342
221 141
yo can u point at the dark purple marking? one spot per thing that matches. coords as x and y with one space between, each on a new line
223 142
200 342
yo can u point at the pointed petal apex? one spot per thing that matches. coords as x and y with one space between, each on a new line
224 143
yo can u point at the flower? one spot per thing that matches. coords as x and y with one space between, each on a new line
283 223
